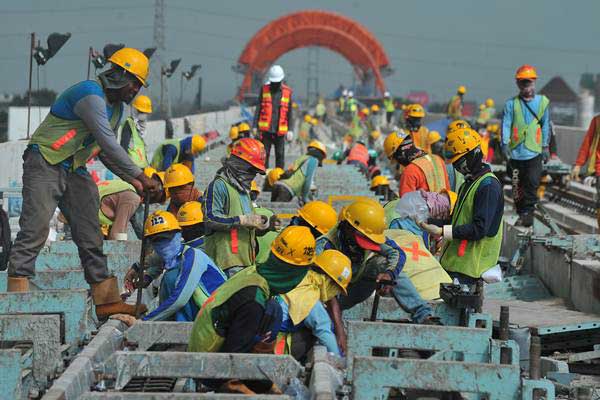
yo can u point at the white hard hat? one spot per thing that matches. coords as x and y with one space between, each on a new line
350 93
386 94
345 92
276 73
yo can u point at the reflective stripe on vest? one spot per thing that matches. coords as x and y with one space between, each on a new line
266 110
61 141
434 169
530 134
360 153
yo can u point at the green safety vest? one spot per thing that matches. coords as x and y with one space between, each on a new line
388 104
530 133
58 139
357 269
235 247
264 241
137 146
342 101
320 110
157 158
296 181
106 188
390 211
471 258
352 104
204 338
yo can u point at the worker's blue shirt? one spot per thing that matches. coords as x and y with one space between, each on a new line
195 243
309 169
521 152
170 153
217 201
193 270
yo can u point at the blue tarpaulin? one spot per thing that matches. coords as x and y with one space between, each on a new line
441 125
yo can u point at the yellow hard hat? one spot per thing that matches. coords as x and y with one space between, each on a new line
315 144
415 111
365 111
459 142
375 134
392 142
367 217
160 221
274 175
132 61
295 245
461 89
234 132
314 121
481 107
319 215
150 171
526 72
243 127
178 175
190 213
198 144
492 128
254 187
403 107
433 137
294 104
307 118
143 104
489 102
379 180
452 196
458 124
337 265
374 108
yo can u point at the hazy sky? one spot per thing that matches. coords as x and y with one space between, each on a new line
433 45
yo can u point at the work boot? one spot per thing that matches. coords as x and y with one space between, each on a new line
108 301
17 284
235 386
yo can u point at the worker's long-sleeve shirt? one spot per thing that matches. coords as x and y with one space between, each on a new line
217 206
521 152
412 179
276 101
170 153
309 169
119 208
585 152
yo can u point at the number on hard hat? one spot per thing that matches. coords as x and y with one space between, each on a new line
276 74
234 132
198 144
337 265
459 142
461 89
392 142
526 72
143 104
458 124
133 61
274 175
368 218
379 180
190 213
319 215
315 144
160 221
415 111
295 245
252 151
178 175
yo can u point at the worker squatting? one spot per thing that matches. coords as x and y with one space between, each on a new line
249 282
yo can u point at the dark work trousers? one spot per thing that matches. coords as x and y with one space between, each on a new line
526 176
278 141
45 187
281 193
388 116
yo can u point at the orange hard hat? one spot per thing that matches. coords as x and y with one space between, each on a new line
526 72
251 151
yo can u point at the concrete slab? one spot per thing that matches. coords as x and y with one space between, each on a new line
585 285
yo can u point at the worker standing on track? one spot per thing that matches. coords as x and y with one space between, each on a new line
589 152
414 124
132 132
390 108
299 179
342 102
81 125
274 115
179 181
321 110
375 119
455 106
178 151
526 141
474 238
421 171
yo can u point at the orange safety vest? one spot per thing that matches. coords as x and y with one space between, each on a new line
266 109
434 169
360 153
421 139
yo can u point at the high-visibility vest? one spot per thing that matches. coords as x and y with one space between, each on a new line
389 106
434 169
266 110
360 153
455 107
59 139
471 258
296 181
137 146
106 188
530 133
420 138
342 101
158 157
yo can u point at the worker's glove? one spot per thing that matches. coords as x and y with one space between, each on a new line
575 173
289 136
506 151
254 221
431 229
546 154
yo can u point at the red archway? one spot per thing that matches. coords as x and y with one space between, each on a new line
314 28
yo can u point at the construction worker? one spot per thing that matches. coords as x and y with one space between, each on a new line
495 149
455 106
474 237
526 141
435 143
414 124
179 181
304 130
303 310
241 316
360 236
228 212
421 171
297 181
81 125
321 110
274 115
178 151
351 106
133 131
454 177
357 155
375 120
381 186
342 102
589 152
119 202
390 107
236 132
273 176
191 220
190 275
490 106
374 139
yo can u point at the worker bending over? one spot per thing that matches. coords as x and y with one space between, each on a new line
179 181
357 155
133 130
178 151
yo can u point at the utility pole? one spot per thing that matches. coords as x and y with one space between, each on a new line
312 75
32 47
160 44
